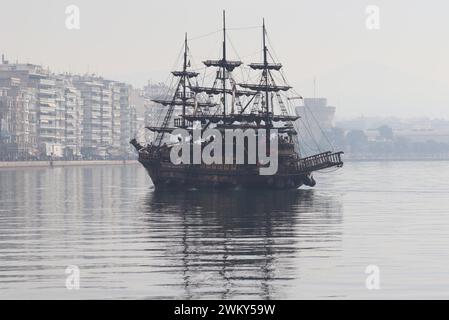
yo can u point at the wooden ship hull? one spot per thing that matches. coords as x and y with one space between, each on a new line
221 176
290 174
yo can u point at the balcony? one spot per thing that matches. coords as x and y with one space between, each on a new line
47 101
47 92
47 111
47 82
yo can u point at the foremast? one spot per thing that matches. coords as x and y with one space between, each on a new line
182 96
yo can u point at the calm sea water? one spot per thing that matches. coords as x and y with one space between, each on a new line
130 241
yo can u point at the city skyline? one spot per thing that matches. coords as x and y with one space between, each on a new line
44 115
152 82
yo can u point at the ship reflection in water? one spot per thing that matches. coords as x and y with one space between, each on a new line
130 241
240 243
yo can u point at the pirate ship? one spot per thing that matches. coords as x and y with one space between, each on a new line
225 105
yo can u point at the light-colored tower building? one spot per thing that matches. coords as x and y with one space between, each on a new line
317 110
316 122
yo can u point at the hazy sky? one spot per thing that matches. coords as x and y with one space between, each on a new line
402 69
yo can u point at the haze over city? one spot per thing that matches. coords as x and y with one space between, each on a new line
217 153
398 70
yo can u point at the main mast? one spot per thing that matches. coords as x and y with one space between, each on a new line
225 68
265 71
224 64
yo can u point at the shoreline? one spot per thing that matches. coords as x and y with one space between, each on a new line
392 159
62 163
74 163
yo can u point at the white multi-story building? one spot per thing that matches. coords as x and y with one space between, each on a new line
93 96
116 124
107 118
19 110
129 101
50 116
16 138
73 119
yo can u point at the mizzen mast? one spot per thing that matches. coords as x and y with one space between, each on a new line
267 85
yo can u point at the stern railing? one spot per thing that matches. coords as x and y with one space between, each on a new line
320 161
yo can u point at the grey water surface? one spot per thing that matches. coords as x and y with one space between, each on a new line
130 241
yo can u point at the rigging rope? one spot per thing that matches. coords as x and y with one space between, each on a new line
305 106
204 35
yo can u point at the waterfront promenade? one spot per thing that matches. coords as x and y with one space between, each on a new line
62 163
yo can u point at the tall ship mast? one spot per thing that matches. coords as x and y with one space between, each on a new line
228 105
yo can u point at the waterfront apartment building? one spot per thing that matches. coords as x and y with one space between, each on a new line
96 115
19 110
50 117
16 127
45 115
109 117
73 118
128 117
